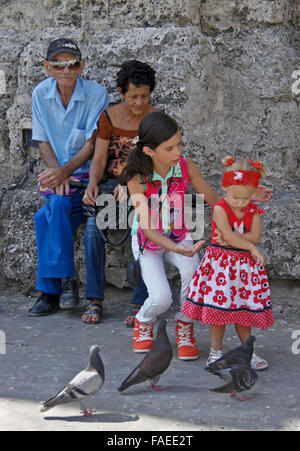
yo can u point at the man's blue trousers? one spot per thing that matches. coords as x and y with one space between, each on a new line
55 225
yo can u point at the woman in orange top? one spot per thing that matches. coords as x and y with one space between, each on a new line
116 138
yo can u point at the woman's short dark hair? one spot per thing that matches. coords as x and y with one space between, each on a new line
136 73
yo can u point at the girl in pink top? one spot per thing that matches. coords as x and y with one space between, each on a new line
172 223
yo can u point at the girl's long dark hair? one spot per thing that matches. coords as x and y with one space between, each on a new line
154 129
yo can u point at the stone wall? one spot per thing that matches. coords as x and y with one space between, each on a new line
226 70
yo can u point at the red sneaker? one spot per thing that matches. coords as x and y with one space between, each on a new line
142 336
187 346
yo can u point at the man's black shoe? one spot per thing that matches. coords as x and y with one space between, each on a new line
69 297
45 305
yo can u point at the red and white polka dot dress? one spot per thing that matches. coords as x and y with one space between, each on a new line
229 287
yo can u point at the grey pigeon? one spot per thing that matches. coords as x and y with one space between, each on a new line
84 385
234 367
154 363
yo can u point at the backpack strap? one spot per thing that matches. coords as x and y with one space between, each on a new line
143 181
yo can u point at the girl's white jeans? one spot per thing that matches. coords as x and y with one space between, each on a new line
154 276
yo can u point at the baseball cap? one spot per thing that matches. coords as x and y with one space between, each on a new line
62 45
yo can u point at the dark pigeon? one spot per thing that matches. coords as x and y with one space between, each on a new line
154 364
239 378
234 368
83 386
240 355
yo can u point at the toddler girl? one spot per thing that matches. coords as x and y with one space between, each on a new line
231 286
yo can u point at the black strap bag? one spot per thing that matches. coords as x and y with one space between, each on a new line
134 273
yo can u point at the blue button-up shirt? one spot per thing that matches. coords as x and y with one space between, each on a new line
67 130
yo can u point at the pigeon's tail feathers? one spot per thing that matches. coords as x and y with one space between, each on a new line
225 375
228 388
68 394
45 408
48 405
55 401
135 377
123 386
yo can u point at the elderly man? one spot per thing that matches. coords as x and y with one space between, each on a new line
66 109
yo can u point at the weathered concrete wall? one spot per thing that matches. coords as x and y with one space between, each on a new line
224 69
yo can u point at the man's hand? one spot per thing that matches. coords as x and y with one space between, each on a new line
262 194
53 178
64 188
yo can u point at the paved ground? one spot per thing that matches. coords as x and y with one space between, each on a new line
42 354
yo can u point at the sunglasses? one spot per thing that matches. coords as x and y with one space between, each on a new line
60 65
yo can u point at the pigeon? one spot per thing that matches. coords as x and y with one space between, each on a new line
240 355
154 363
84 385
234 368
239 378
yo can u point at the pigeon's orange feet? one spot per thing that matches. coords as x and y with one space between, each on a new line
157 387
238 397
87 412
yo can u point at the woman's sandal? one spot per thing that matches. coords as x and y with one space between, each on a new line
258 364
94 309
129 320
